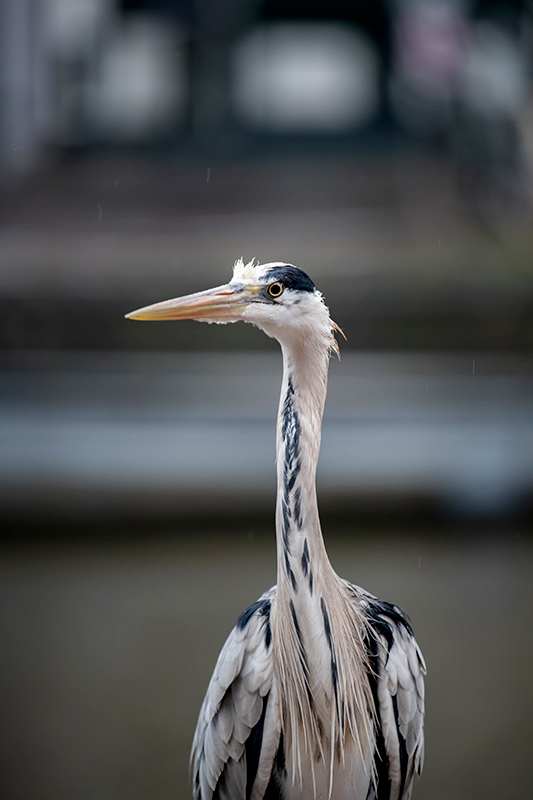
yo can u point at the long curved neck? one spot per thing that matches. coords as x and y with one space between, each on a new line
317 631
300 546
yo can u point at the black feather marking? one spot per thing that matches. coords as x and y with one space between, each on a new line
290 426
404 759
302 654
268 633
262 608
386 622
329 638
305 559
327 626
301 646
383 784
292 442
290 509
290 573
310 582
384 617
296 626
290 477
298 507
291 277
253 746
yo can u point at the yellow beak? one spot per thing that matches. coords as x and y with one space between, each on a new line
221 304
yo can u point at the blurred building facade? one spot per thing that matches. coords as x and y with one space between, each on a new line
382 146
93 73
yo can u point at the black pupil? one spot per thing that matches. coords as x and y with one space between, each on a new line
276 289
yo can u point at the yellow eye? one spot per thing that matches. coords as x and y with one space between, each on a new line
275 289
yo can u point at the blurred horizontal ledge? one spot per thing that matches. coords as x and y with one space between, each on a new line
361 362
334 245
485 465
185 433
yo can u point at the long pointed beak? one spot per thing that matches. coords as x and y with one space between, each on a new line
221 304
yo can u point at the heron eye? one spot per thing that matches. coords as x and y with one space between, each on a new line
275 289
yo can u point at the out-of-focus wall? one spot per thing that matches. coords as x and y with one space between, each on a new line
100 72
144 146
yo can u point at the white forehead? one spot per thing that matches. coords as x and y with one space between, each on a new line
247 273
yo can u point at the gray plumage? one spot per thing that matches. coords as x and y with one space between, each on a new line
318 691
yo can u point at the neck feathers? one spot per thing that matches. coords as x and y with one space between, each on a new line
318 632
298 442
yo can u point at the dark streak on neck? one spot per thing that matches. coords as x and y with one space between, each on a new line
305 559
334 669
292 464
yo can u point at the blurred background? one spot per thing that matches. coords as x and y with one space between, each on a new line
386 148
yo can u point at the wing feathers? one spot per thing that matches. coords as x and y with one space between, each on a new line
270 745
238 732
397 675
232 783
224 720
235 701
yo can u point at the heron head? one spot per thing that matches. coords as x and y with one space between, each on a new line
277 297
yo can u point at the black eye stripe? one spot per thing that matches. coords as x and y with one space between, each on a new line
291 278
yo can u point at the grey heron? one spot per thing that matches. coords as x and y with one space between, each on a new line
318 691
